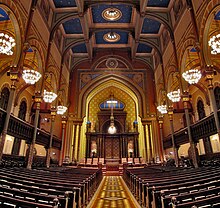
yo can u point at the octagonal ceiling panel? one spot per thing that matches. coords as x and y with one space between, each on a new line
158 3
97 11
73 26
64 3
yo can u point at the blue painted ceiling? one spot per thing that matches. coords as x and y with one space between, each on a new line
217 16
64 3
193 50
100 39
73 26
143 48
81 48
158 3
3 15
98 9
150 26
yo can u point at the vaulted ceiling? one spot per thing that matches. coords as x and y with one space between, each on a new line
136 29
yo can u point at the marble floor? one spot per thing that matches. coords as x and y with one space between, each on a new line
113 193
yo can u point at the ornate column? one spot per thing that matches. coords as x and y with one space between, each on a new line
53 116
161 137
64 119
149 143
136 139
14 78
145 142
209 73
79 138
175 150
185 98
38 100
73 141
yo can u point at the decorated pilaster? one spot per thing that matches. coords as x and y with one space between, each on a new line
53 116
38 100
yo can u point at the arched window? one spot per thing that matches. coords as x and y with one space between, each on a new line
217 96
200 109
4 98
22 110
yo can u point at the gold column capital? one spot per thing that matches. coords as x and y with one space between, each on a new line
14 75
53 112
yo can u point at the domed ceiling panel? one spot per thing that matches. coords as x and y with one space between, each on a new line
64 3
97 13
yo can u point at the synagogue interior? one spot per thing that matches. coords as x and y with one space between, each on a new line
109 103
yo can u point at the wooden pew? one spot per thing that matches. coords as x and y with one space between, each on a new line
35 182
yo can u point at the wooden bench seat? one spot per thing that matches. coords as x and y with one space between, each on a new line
43 186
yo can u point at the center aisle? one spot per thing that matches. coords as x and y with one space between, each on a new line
113 193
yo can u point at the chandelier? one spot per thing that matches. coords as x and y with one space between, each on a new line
214 43
61 109
31 76
174 96
6 44
192 76
162 109
49 97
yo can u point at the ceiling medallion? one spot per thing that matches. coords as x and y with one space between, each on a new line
111 37
111 14
111 63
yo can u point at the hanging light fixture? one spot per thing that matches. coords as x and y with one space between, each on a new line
192 76
31 76
112 129
61 109
214 43
111 14
162 109
6 44
49 97
174 96
111 37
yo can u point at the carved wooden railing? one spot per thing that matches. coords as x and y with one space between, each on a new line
23 130
201 129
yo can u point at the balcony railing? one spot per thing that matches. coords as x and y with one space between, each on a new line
23 130
201 129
